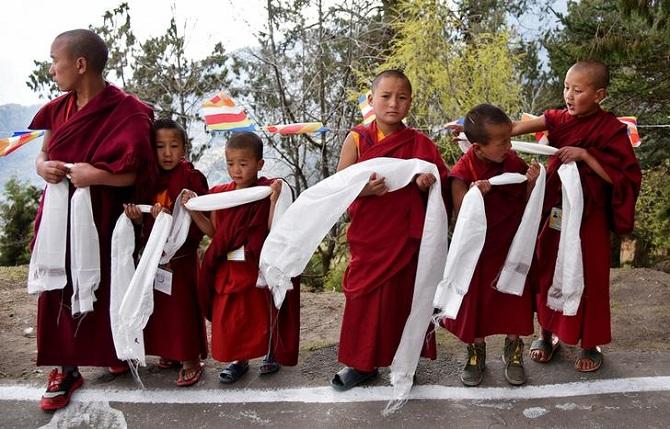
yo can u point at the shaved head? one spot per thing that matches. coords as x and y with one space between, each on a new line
86 44
397 74
597 72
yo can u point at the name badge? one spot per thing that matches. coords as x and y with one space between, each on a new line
555 218
163 281
236 255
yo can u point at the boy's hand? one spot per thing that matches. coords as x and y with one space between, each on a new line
82 174
533 172
276 190
186 196
456 130
571 153
424 181
133 212
157 208
483 185
374 187
52 171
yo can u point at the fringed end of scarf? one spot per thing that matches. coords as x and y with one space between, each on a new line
448 301
134 366
402 385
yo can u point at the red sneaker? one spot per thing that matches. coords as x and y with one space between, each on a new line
59 389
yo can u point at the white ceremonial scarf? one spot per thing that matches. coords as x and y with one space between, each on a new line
468 240
238 197
131 302
295 237
181 223
47 262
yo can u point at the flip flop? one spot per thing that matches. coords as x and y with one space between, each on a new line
118 370
195 374
546 347
268 366
594 355
233 372
348 377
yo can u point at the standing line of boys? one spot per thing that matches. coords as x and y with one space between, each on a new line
384 234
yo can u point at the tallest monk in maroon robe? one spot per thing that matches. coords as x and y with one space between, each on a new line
384 237
105 133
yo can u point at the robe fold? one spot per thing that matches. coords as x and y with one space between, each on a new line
485 310
607 207
245 322
384 237
176 329
112 132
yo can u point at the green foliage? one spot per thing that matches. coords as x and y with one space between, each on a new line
16 220
450 74
652 223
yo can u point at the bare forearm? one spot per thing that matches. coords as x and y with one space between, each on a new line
592 162
203 222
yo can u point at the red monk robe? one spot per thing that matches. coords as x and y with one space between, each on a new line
606 207
484 310
245 322
113 133
176 329
384 237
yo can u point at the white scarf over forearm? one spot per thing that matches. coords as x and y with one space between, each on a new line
131 295
47 263
468 241
296 236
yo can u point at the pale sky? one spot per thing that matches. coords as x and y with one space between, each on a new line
28 27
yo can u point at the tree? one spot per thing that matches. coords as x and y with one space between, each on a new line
16 220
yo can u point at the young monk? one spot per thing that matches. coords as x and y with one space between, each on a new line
245 323
610 178
106 133
176 329
384 236
486 311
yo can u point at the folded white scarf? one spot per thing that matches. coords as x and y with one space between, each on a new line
296 236
131 296
468 240
47 262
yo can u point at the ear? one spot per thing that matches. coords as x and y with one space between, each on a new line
261 163
370 99
82 65
601 94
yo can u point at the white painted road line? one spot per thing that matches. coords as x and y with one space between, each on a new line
359 394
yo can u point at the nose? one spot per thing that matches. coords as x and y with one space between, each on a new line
52 72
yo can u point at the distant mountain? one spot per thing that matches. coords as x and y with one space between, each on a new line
20 163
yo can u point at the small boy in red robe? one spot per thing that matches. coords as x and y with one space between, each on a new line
384 236
486 311
610 176
176 329
245 323
106 134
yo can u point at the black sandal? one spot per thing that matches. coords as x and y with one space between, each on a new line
348 377
233 372
547 348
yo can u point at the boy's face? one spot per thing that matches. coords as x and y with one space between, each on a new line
499 144
169 148
391 100
65 69
243 167
581 98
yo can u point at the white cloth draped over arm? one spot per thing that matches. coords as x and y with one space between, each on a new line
136 303
565 293
512 278
467 243
84 252
181 223
47 261
297 234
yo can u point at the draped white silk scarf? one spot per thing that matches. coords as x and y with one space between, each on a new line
47 262
296 236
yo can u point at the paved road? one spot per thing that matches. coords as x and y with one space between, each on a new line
632 390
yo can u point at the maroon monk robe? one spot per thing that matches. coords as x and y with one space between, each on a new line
384 237
176 329
606 207
245 323
111 132
486 311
